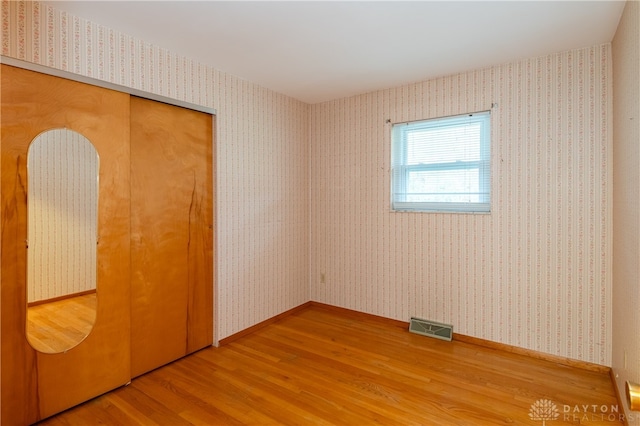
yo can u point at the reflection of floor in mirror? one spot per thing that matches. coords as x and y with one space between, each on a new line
58 326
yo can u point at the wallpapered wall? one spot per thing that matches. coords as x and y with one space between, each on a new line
626 215
261 153
62 216
536 272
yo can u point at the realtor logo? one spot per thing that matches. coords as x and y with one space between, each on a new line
543 410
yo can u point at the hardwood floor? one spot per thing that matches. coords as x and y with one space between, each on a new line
320 366
57 326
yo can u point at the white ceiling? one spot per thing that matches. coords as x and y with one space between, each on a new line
323 50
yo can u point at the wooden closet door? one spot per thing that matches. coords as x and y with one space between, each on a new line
171 233
37 385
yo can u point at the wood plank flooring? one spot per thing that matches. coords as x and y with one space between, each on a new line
320 366
60 325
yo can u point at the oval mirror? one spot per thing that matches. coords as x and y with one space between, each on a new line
62 229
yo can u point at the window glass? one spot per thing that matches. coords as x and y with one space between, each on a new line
442 164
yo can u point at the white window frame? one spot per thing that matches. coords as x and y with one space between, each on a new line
400 170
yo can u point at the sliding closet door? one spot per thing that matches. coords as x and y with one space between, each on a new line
35 384
171 233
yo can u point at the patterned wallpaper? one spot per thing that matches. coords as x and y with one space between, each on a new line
62 202
535 273
261 152
626 195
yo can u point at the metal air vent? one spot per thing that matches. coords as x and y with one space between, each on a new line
431 329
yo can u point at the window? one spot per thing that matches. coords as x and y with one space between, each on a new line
442 164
